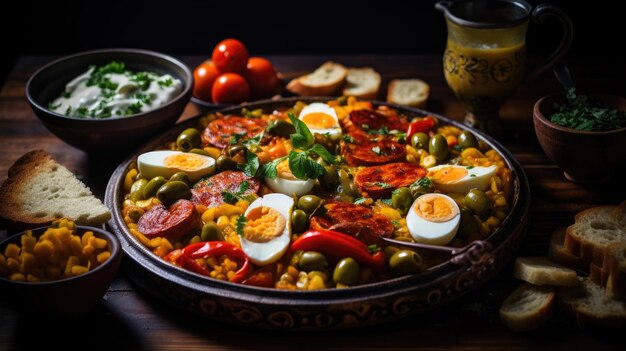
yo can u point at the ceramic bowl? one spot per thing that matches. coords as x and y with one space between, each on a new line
584 157
63 298
114 133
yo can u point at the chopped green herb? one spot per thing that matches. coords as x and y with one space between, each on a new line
359 200
51 106
382 130
253 142
373 248
472 175
386 201
166 82
425 182
241 223
348 138
142 79
134 108
82 111
457 148
66 95
235 137
469 167
251 166
395 223
581 112
231 197
383 185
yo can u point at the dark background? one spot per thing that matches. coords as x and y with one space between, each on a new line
295 27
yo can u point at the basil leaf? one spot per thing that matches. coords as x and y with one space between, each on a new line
251 166
323 153
298 164
305 138
268 170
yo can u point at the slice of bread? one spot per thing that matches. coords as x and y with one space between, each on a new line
408 92
39 190
615 265
325 80
558 253
527 307
592 307
543 271
362 83
594 230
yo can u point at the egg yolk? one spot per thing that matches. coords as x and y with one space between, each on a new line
318 120
184 161
284 171
447 175
435 208
263 224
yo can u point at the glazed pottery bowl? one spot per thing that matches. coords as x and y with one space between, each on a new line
63 298
103 135
585 157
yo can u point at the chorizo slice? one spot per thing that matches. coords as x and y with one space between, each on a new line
219 132
380 181
172 223
363 152
358 221
208 191
366 121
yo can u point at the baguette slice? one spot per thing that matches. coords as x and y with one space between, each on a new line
39 190
615 264
543 271
592 307
594 230
527 307
325 80
408 92
362 83
558 253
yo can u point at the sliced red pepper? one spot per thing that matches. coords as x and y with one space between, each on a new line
264 277
174 256
215 249
422 126
337 246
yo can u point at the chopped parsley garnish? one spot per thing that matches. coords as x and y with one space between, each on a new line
348 138
142 79
235 137
66 95
386 201
469 167
134 108
373 248
359 200
472 175
383 185
165 82
51 106
232 197
581 112
382 130
241 223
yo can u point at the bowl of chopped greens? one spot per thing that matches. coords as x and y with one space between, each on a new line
110 99
585 135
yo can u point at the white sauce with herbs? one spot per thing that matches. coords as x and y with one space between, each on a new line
114 91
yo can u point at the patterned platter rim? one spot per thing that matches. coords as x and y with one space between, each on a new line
322 309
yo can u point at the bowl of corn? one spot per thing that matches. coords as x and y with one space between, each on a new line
61 270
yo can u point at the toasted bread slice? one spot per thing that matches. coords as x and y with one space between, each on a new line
408 92
558 253
39 190
594 230
527 307
362 83
543 271
592 307
325 80
615 265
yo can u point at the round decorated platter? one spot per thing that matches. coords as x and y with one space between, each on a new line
317 213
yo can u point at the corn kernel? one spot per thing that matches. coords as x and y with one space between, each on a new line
243 205
129 179
493 221
428 161
103 256
88 250
53 272
86 236
316 283
32 278
411 159
18 277
195 239
75 245
28 242
208 215
166 244
222 222
78 270
230 210
500 201
155 242
13 264
12 251
213 151
28 262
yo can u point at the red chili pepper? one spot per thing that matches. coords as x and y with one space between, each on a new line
421 126
215 249
338 245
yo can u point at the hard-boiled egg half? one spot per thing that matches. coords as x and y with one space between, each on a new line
267 232
433 219
166 163
286 183
460 179
321 119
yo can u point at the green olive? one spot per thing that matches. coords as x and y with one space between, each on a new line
225 163
420 188
210 232
478 202
309 203
136 190
438 147
467 225
325 141
181 177
199 151
467 139
347 272
329 180
405 262
346 185
135 213
235 149
153 185
189 139
390 250
299 221
281 128
420 140
402 199
295 259
169 192
313 261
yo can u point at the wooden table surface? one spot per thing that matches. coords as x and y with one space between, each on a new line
134 319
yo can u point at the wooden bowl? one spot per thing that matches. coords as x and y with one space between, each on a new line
322 309
584 157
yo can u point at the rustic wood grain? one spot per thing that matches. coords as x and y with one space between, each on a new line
135 320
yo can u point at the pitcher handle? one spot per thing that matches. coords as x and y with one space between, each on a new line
540 13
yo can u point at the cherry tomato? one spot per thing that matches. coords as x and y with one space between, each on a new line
230 55
230 88
204 75
261 77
